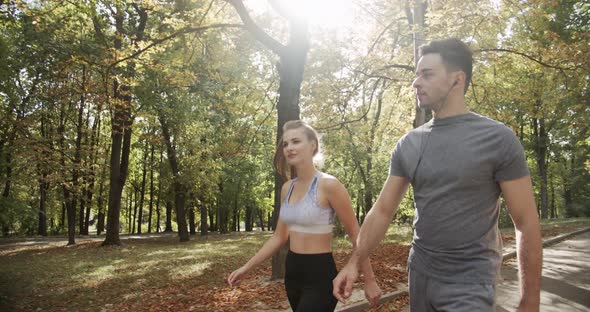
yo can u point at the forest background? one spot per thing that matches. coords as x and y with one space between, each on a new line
148 116
122 118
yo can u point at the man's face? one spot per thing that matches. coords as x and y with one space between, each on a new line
433 83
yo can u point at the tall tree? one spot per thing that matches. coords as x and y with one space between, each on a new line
292 59
142 186
122 109
180 191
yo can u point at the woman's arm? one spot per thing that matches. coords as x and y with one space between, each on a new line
270 247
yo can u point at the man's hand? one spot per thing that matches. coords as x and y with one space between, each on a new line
372 292
525 306
344 281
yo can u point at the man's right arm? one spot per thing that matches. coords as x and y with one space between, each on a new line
371 233
379 218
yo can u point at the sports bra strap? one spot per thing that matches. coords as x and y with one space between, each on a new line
288 196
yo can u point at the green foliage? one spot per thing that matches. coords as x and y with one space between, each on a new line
217 91
17 216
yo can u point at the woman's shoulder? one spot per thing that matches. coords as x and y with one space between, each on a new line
285 188
328 181
286 184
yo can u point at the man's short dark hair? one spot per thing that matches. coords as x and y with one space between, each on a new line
455 54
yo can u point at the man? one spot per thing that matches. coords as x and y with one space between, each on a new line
458 164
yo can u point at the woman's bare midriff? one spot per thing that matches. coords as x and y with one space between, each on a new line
305 243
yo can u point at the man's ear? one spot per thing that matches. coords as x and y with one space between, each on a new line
459 77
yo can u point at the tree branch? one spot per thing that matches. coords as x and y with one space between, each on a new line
343 123
256 31
526 56
179 32
406 67
140 31
371 75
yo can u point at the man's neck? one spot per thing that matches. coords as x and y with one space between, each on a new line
453 108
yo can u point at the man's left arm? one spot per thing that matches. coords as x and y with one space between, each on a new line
518 194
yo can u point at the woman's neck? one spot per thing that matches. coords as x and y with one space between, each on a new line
306 172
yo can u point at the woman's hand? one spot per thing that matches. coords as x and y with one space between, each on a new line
235 278
372 292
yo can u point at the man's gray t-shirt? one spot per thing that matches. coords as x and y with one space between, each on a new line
455 165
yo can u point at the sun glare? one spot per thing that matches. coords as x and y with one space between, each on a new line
325 13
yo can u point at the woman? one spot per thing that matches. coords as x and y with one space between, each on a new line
309 202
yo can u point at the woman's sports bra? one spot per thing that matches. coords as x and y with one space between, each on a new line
307 216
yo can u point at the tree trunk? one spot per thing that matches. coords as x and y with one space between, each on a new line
43 181
236 220
221 222
8 176
6 192
43 191
62 224
213 225
93 156
76 185
358 208
100 202
416 17
142 190
69 196
179 188
120 150
71 210
204 228
249 218
121 126
291 68
169 205
100 223
151 204
292 59
191 219
260 218
553 208
81 215
158 201
369 168
134 202
203 208
135 206
130 222
568 185
88 207
179 201
542 141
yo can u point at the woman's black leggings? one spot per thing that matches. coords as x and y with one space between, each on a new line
308 281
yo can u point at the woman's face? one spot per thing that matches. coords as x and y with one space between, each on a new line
297 148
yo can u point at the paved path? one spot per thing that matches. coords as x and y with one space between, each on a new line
565 277
565 285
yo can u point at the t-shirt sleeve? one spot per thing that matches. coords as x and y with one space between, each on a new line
396 165
512 162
